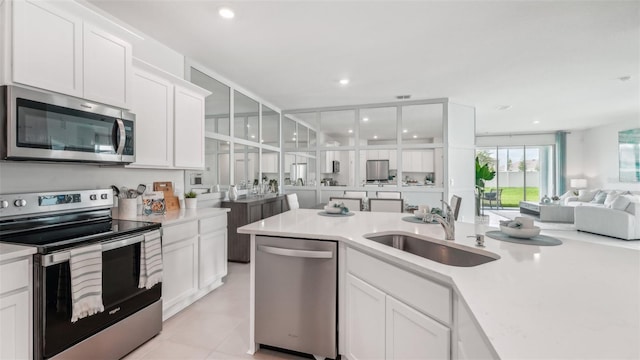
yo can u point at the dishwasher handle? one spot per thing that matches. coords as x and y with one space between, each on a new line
296 253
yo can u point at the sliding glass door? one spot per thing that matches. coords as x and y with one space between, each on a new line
523 173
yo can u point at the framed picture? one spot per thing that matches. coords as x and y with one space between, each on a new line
153 203
629 155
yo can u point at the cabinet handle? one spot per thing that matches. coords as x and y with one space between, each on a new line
296 253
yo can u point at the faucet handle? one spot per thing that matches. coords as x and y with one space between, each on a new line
449 212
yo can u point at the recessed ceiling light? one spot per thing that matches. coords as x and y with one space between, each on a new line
350 131
504 107
415 136
248 125
375 136
625 78
344 81
226 13
365 119
253 136
295 133
405 131
536 121
294 139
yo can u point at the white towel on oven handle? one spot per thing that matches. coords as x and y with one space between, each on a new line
85 265
150 260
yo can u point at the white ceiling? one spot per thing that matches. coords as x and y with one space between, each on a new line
556 62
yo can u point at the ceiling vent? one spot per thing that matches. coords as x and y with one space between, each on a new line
403 97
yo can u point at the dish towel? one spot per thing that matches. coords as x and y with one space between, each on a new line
150 261
86 281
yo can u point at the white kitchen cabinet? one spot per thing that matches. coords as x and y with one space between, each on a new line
107 67
153 106
56 51
188 128
213 257
471 342
16 335
47 47
365 317
180 266
413 335
418 160
270 162
327 162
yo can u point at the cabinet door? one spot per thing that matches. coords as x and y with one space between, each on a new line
393 159
255 213
47 47
107 67
153 106
180 271
188 129
365 317
14 326
213 257
413 335
427 161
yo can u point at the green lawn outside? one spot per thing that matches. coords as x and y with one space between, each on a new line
511 196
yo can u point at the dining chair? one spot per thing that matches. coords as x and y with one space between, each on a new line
386 205
455 205
354 204
292 201
355 194
388 194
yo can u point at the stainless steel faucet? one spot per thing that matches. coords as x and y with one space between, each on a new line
448 222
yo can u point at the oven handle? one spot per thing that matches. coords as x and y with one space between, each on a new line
63 256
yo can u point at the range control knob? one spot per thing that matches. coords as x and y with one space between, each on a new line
104 196
4 204
93 197
20 203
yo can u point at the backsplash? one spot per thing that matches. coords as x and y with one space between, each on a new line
16 177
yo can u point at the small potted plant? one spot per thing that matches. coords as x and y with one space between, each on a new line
190 201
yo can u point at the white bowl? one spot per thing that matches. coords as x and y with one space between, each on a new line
330 209
519 232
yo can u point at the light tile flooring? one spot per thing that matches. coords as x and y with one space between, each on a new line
215 327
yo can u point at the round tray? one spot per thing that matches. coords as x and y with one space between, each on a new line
324 213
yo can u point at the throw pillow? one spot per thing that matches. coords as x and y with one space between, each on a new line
621 202
611 196
599 197
586 195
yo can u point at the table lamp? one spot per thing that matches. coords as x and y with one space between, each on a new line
578 184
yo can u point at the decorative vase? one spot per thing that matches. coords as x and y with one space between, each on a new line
233 193
190 203
545 200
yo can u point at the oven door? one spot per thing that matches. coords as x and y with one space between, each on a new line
43 126
120 294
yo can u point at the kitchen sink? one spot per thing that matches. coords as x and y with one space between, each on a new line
443 254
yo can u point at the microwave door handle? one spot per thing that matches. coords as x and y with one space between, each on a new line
121 136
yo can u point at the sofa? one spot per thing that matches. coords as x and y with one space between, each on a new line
613 213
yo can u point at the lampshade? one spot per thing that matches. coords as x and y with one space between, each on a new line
579 183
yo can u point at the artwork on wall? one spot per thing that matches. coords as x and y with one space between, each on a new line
629 150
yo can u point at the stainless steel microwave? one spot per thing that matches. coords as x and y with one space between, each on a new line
44 126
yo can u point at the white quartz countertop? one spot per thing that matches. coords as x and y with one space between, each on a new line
175 216
577 300
11 251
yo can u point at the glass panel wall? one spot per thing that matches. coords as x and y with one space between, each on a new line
270 127
337 167
270 165
422 167
289 138
246 117
422 124
246 166
337 128
217 105
378 167
378 126
216 164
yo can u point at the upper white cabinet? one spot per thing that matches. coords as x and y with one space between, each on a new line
169 120
107 67
188 129
47 47
56 51
153 106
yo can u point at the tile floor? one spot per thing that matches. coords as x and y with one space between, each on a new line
215 327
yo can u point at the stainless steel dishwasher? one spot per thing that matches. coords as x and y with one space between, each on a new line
296 295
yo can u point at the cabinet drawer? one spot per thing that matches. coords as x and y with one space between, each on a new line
173 233
14 275
424 295
212 224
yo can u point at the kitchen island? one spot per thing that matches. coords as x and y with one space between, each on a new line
576 300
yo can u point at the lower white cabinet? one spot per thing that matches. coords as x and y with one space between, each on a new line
194 255
180 273
381 327
16 336
413 335
365 314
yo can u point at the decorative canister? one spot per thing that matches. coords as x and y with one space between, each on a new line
233 192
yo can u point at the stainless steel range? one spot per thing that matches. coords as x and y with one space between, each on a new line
56 223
